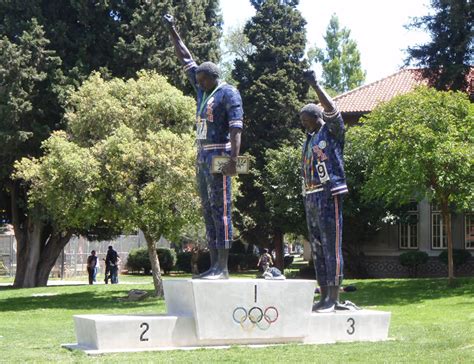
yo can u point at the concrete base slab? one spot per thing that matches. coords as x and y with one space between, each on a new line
216 314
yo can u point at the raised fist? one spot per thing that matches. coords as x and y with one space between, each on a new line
169 20
310 77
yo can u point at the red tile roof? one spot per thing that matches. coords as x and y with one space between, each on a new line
365 98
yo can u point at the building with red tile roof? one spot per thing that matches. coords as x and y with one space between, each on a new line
425 231
362 100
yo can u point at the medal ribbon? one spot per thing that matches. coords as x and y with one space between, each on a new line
205 98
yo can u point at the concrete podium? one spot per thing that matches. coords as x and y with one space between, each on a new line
204 313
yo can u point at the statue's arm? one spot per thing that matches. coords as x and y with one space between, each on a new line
235 141
184 55
326 101
331 115
235 114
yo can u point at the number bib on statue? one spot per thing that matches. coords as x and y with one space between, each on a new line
322 172
201 129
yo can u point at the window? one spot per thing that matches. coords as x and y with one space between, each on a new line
469 231
438 229
408 229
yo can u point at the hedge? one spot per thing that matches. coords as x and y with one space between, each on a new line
412 260
460 256
139 260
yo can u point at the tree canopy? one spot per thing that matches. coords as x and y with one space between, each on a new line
447 58
421 145
340 60
270 81
134 172
48 49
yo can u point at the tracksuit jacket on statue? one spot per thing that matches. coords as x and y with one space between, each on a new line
324 184
217 112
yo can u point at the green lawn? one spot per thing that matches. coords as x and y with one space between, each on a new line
430 323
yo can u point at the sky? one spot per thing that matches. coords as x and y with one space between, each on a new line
376 25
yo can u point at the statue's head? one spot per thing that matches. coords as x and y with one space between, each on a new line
207 76
311 117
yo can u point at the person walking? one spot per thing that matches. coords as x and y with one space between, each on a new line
92 267
111 263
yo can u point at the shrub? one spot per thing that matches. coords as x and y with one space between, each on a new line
183 263
250 262
167 258
204 261
288 260
139 260
238 248
412 260
307 272
460 256
236 262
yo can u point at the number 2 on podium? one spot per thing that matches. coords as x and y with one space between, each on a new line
146 326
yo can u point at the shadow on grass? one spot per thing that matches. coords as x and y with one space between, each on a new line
407 291
84 300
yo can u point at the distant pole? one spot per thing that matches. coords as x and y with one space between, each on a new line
11 260
62 264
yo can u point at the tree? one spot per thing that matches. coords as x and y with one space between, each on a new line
62 197
363 217
342 70
144 42
27 72
135 172
150 185
48 49
148 172
448 56
272 88
281 185
236 45
421 145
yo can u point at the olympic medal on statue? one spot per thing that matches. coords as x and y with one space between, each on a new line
219 161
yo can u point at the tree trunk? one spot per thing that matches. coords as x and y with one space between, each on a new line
447 219
278 244
37 246
155 265
28 234
49 256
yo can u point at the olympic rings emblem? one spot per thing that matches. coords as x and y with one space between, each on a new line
255 316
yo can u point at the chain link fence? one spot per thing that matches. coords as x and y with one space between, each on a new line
72 262
7 255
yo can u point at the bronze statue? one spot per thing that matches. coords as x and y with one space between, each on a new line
218 133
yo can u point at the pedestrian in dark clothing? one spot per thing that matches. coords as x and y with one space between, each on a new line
111 263
92 267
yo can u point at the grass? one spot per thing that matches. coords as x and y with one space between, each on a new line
430 323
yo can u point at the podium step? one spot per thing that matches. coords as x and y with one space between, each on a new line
234 312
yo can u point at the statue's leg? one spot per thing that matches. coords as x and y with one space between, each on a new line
203 179
330 222
220 199
312 221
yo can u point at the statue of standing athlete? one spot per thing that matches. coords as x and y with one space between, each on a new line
218 132
324 186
